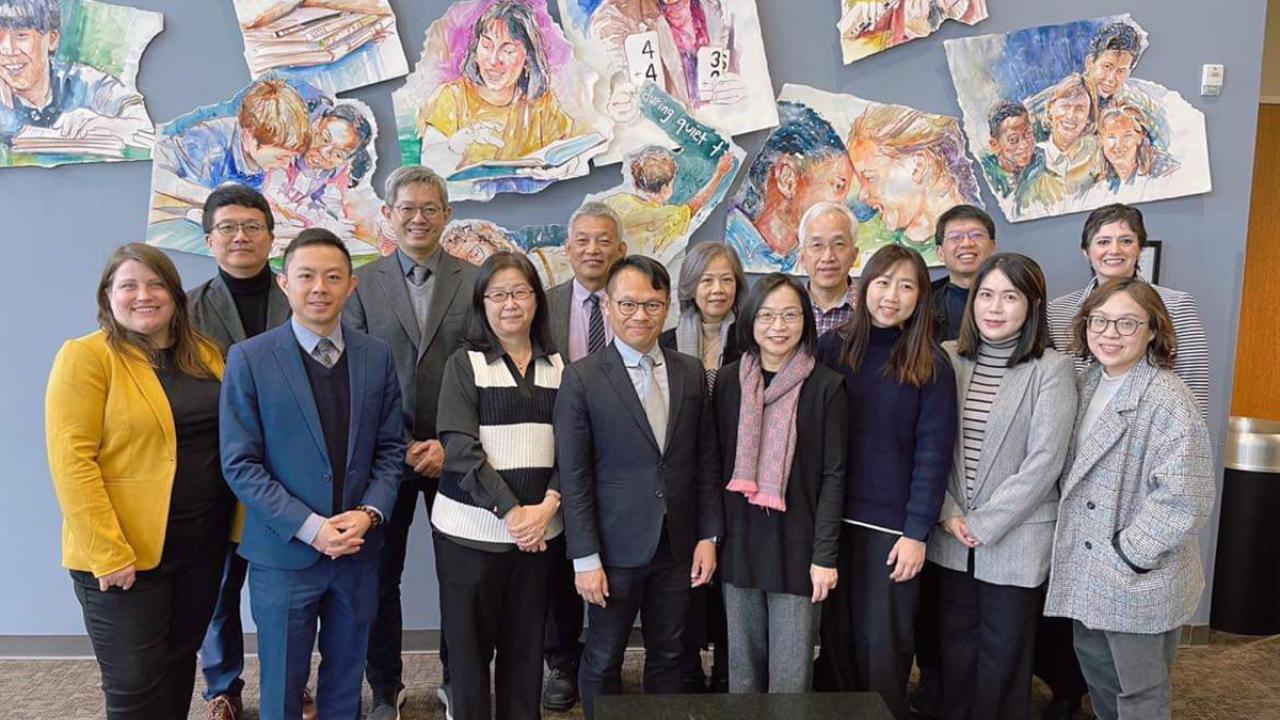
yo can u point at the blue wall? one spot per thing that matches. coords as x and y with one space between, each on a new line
63 223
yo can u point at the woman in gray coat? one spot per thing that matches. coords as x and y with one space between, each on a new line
1138 488
1017 404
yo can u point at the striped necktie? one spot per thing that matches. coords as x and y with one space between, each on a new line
595 325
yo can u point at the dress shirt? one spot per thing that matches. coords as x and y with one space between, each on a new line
580 321
837 315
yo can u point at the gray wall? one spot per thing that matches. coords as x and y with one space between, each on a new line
62 223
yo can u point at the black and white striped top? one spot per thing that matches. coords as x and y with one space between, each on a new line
988 373
1192 363
499 444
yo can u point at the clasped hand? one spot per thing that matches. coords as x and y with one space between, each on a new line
342 534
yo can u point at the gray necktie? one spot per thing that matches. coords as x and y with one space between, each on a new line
325 352
655 404
418 292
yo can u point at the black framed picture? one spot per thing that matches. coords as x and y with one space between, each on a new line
1149 261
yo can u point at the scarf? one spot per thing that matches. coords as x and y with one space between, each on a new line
689 333
767 430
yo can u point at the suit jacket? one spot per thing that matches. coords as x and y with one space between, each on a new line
616 481
381 307
1136 491
273 450
1015 497
559 303
213 311
112 454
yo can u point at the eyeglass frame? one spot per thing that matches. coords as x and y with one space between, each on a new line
651 308
766 318
492 296
228 229
409 212
1108 322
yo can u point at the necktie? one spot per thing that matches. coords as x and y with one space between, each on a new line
325 352
655 404
418 292
419 274
595 325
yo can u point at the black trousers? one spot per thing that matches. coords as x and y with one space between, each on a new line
145 639
384 666
659 592
1055 657
988 634
563 633
867 631
494 602
928 642
706 626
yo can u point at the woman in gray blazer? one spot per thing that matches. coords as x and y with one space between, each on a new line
1138 488
1017 404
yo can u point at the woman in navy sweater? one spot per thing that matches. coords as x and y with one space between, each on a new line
902 427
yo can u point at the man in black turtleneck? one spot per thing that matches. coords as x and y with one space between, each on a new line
241 301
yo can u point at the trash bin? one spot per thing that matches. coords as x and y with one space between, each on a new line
1246 578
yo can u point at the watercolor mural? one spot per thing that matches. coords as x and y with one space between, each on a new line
707 54
498 103
334 45
871 26
310 154
897 168
68 82
1060 125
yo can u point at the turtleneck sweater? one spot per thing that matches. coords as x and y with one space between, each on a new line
250 295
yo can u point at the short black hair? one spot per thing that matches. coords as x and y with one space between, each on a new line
480 335
963 212
1004 110
1107 214
315 236
1119 36
239 195
361 160
658 276
745 324
43 16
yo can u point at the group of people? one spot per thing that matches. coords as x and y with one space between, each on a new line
894 469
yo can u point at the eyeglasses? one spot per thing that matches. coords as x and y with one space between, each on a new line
250 228
629 308
820 248
409 212
788 317
1124 326
500 296
974 235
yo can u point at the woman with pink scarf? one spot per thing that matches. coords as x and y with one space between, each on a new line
782 425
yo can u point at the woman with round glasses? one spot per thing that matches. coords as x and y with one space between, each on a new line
1138 487
496 517
783 433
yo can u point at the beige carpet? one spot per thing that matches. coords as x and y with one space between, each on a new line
1232 678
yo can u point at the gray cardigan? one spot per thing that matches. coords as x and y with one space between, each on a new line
1015 499
1137 489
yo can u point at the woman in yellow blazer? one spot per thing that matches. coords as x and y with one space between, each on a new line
131 421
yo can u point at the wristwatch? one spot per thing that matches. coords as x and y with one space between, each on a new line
375 518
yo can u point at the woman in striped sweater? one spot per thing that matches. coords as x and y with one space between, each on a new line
1017 406
496 518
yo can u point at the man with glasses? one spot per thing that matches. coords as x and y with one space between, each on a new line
418 299
828 250
966 237
242 300
637 458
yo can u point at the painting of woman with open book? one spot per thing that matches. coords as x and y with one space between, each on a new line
498 103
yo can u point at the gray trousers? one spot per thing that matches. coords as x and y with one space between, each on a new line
1128 673
771 639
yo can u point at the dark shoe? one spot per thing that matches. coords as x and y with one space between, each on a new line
1060 708
560 693
386 704
694 683
927 699
224 707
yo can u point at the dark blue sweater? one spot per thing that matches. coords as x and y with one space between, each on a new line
901 438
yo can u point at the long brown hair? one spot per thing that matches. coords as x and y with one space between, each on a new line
187 341
911 361
1162 351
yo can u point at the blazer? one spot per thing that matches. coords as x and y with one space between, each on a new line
559 303
1015 497
772 551
273 450
1136 491
113 452
616 481
381 307
213 311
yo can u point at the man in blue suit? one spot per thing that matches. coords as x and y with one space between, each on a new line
312 444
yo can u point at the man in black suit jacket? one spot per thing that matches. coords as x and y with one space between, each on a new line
418 300
636 447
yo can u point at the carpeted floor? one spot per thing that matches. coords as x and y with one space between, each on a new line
1231 678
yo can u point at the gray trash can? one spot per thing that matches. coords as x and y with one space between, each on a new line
1246 578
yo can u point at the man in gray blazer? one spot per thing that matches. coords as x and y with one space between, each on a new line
578 327
418 299
239 302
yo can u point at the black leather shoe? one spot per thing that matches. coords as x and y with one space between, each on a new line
560 692
694 683
1061 708
926 700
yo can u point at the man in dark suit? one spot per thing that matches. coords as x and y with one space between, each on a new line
418 300
312 445
636 447
578 328
242 300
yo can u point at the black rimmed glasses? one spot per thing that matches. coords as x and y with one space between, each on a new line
1125 326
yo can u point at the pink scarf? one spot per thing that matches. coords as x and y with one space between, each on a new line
762 461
